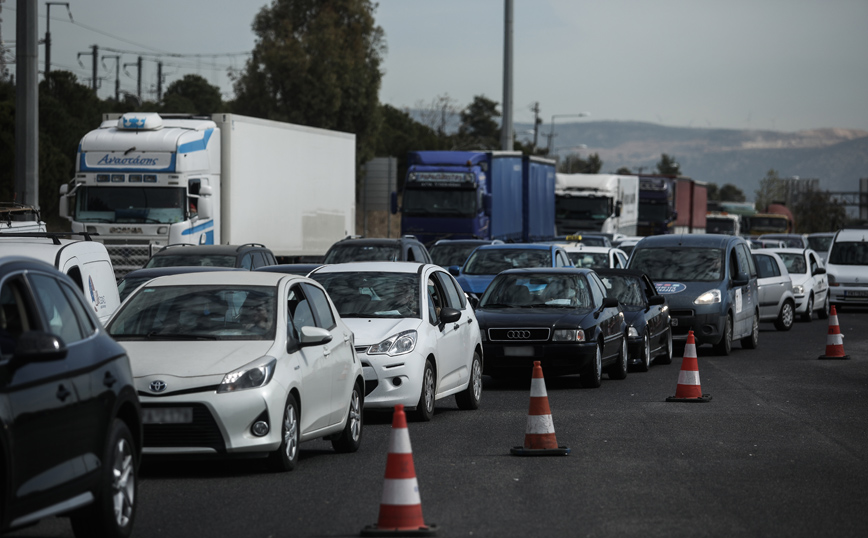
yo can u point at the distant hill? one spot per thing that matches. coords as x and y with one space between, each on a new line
837 157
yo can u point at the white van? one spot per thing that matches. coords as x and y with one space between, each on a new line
847 268
86 262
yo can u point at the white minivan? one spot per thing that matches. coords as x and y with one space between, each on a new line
86 262
847 268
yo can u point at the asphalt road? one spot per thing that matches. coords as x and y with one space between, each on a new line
778 451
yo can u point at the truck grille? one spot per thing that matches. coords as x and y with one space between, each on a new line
127 257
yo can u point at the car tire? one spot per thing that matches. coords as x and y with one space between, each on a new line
285 458
809 311
724 347
350 437
468 399
425 407
751 341
619 369
645 358
827 308
117 488
666 358
786 317
592 374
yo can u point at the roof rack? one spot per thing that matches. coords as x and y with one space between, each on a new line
250 245
173 245
54 236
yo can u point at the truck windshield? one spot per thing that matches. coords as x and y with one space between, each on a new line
582 208
159 205
439 203
654 212
679 263
719 226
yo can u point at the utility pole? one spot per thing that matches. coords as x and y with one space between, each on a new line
117 59
27 104
159 81
138 65
506 128
48 32
536 122
95 81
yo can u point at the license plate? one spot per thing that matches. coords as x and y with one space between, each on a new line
518 351
167 415
856 294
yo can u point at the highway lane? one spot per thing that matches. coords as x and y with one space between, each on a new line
779 451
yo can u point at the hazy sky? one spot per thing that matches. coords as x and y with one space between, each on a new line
784 65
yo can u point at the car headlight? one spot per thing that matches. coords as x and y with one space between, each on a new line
709 297
398 344
632 332
568 335
799 290
256 374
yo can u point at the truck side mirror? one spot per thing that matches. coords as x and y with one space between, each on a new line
393 202
618 205
486 203
63 202
204 204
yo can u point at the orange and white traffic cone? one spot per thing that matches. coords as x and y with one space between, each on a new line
834 339
688 388
401 507
539 438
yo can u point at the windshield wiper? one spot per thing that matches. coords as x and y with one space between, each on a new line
495 305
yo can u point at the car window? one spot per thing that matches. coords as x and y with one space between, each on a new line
300 310
247 262
598 291
493 261
16 316
626 288
745 265
697 264
74 298
56 309
794 262
766 266
814 263
452 295
321 307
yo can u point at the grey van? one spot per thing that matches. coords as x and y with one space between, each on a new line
710 285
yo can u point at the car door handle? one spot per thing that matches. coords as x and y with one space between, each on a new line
326 351
62 393
109 379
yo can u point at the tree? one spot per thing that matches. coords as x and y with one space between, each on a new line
478 129
712 192
401 134
667 166
439 113
317 63
624 171
731 193
772 189
574 164
816 212
192 94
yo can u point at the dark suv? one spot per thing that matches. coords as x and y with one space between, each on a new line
248 256
359 249
70 428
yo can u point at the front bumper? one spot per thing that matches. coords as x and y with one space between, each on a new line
848 295
707 327
392 380
555 358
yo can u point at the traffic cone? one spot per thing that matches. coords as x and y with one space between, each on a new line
539 438
834 339
688 389
401 507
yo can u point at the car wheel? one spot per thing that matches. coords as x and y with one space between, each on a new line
425 407
827 308
592 375
809 311
351 436
786 317
468 399
750 342
114 509
645 361
285 458
667 357
619 369
725 345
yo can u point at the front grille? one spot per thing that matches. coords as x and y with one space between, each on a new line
202 432
126 258
519 334
681 313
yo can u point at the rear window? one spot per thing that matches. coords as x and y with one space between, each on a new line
493 261
362 253
849 253
179 260
679 263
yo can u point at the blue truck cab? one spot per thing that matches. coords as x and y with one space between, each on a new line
710 284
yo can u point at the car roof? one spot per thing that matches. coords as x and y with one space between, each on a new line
46 248
185 249
467 242
154 272
585 248
688 240
13 262
221 278
375 266
547 270
290 268
789 250
375 241
852 235
519 246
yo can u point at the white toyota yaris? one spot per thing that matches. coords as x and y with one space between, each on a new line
241 362
416 334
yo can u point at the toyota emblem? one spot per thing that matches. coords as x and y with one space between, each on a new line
158 386
518 335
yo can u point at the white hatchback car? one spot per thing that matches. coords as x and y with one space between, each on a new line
241 362
847 268
416 334
810 284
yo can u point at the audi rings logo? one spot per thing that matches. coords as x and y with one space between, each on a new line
518 335
158 386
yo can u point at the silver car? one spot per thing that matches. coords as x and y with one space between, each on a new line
776 300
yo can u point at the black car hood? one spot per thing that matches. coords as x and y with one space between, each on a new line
534 317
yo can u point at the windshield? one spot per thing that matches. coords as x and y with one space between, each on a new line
180 259
349 252
129 285
719 226
446 254
568 207
679 263
820 243
493 261
795 263
769 224
849 253
654 212
197 313
588 259
373 295
627 289
523 290
437 203
158 205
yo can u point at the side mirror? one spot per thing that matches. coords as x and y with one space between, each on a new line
449 315
618 206
39 346
312 336
741 279
820 271
610 302
63 202
454 270
393 202
205 208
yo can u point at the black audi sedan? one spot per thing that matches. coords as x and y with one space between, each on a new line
70 426
561 317
649 336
